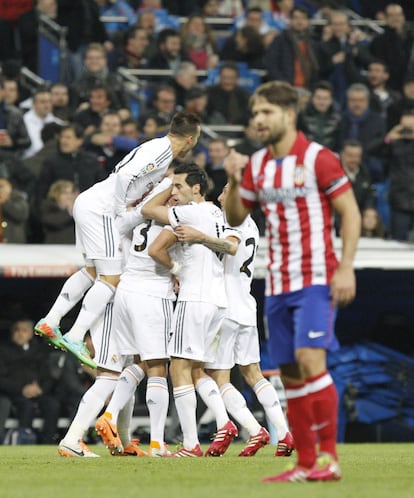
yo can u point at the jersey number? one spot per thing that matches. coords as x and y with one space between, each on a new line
144 232
245 266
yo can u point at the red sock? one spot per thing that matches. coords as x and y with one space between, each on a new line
299 414
324 404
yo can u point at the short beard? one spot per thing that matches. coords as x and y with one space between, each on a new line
275 138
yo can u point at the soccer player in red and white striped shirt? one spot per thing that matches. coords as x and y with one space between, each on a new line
298 184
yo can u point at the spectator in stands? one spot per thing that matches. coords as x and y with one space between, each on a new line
406 103
395 46
100 102
152 127
169 51
28 29
61 105
372 225
148 22
10 13
49 135
254 17
130 129
360 123
14 211
101 143
246 45
81 17
132 53
11 91
14 137
164 105
400 148
25 379
56 213
199 43
185 77
292 55
321 119
358 174
71 380
116 8
381 96
36 118
342 55
70 162
227 97
217 151
96 72
249 143
282 13
18 173
196 102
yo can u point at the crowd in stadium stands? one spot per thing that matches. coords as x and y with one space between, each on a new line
356 86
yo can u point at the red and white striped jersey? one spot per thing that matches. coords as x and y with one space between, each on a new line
295 192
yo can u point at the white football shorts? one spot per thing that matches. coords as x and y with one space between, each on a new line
97 237
238 345
142 324
195 330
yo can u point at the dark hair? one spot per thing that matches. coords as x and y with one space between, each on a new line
166 33
351 142
184 124
302 10
381 63
50 131
195 175
229 65
278 93
77 129
323 85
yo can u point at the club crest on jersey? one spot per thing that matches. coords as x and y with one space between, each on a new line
150 167
300 175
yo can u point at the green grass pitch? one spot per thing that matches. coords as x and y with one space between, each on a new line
369 471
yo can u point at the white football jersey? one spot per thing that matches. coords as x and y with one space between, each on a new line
238 274
142 273
134 176
202 272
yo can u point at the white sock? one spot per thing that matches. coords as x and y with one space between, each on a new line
89 407
93 306
124 422
268 398
209 392
72 292
236 405
186 404
125 389
157 398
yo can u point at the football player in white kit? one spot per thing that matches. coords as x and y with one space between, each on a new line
201 304
103 215
239 342
143 310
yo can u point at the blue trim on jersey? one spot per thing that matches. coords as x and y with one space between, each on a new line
300 319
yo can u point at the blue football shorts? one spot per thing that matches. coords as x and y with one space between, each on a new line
300 319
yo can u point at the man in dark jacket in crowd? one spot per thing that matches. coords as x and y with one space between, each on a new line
26 381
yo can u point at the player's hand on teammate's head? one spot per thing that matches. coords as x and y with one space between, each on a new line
234 164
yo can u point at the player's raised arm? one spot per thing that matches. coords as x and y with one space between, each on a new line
236 212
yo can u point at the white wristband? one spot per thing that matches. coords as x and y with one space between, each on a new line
176 267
